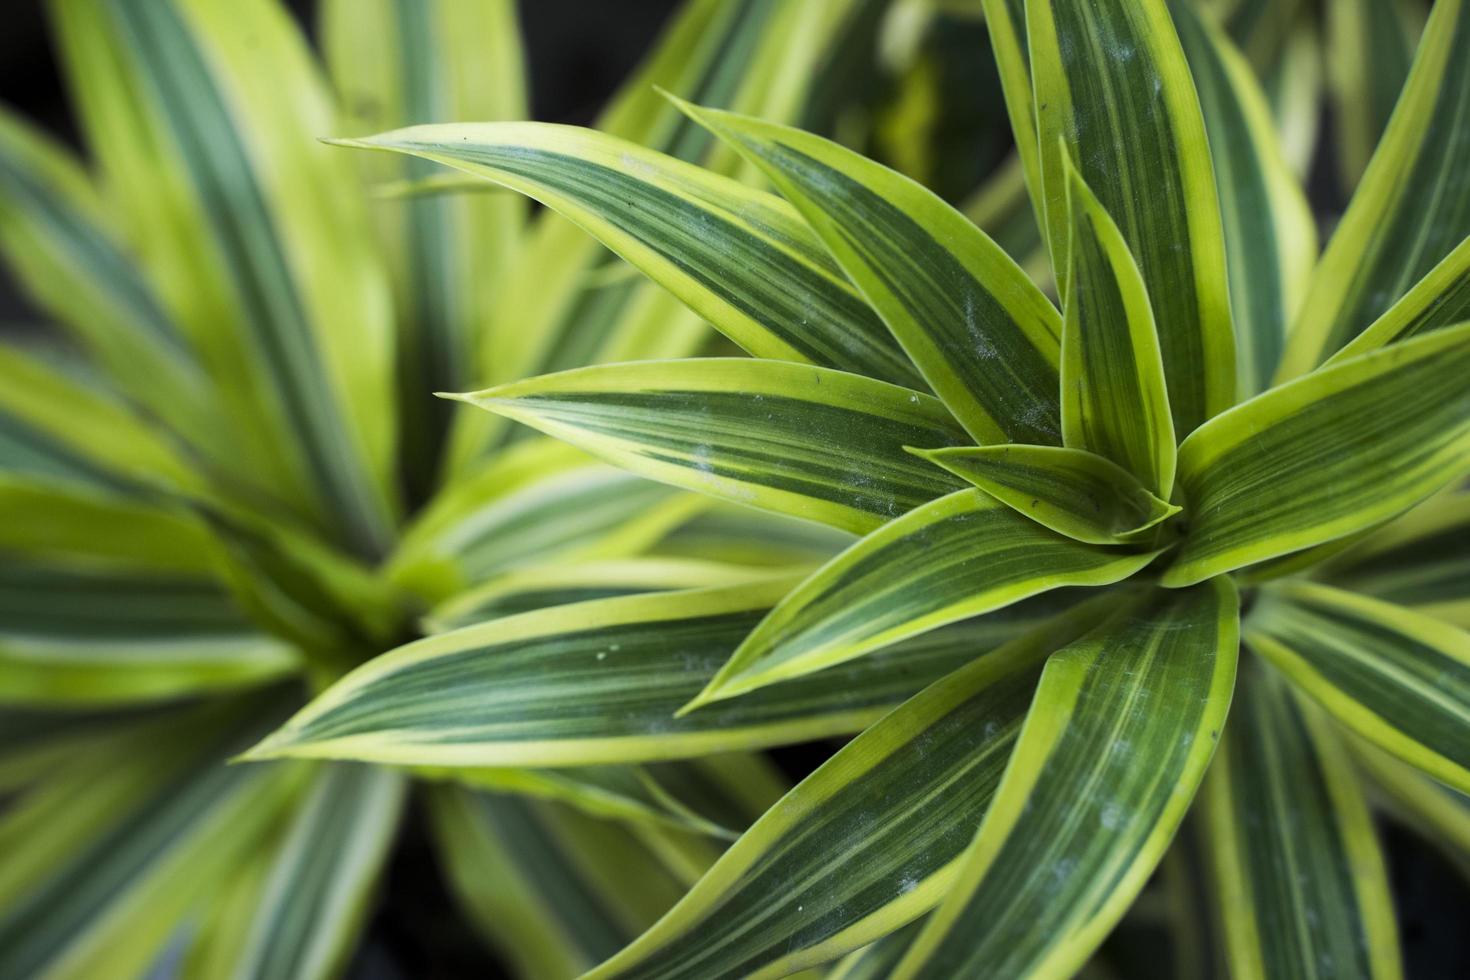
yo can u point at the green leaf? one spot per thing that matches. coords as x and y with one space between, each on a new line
1441 299
740 258
553 890
1085 497
1115 743
876 960
535 503
115 850
984 337
1113 90
731 533
1343 449
395 64
539 689
1005 20
1301 883
1370 45
204 120
1114 400
1419 561
1270 234
1434 810
318 890
1411 208
867 842
960 556
1399 679
75 635
800 440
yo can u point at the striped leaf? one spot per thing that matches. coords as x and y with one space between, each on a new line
532 504
75 635
984 337
1399 679
1342 449
60 245
112 853
1131 712
1440 299
806 441
867 842
204 120
1003 209
876 960
1411 208
1434 810
1134 128
1301 883
554 891
1270 234
960 556
1419 561
1370 44
1114 399
1005 20
556 585
400 62
558 309
317 891
1073 492
740 258
488 695
731 533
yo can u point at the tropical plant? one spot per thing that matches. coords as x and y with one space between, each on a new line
1187 505
233 484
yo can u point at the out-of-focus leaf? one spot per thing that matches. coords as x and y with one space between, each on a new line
1370 45
1436 811
731 533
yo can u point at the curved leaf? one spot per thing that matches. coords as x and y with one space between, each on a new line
1301 882
960 556
984 337
1343 449
1440 814
1114 400
1411 208
1113 90
1369 48
1116 741
795 439
1075 493
1441 299
1400 680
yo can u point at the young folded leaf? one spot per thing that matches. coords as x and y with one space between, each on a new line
1114 400
900 801
740 258
1400 680
960 556
984 337
1131 711
1085 497
796 439
1113 90
1302 887
1411 208
1342 449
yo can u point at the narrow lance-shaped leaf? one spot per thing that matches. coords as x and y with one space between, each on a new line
1114 399
1130 713
1369 48
867 842
1399 679
1112 88
1301 882
1085 497
317 892
796 439
984 337
1419 561
740 258
1411 208
1440 814
204 120
960 556
1440 299
599 682
1270 234
1005 20
1342 449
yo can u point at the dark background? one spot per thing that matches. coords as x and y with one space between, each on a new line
577 53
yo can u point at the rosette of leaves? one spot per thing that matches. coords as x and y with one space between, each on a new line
1223 478
235 485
